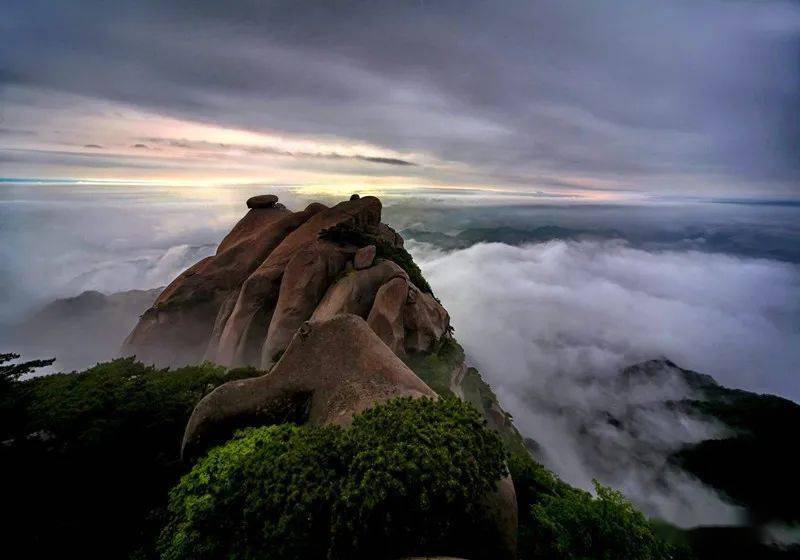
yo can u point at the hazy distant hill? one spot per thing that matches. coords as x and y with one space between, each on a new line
743 242
82 330
746 457
508 235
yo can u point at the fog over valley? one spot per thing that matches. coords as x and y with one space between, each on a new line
551 315
361 280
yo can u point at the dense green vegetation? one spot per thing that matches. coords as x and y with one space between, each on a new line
604 527
559 522
404 259
87 458
556 520
407 477
436 368
748 461
753 466
268 493
11 409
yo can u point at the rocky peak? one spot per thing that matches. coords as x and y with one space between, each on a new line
331 305
277 269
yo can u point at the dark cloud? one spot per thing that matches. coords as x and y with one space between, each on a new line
41 159
16 132
385 160
694 97
221 148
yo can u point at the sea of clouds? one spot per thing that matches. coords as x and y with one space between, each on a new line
550 326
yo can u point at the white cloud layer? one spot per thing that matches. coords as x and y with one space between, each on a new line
550 324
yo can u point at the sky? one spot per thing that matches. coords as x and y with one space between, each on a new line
593 100
131 133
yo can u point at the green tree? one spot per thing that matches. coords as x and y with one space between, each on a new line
10 373
88 457
418 472
12 404
577 526
265 494
407 477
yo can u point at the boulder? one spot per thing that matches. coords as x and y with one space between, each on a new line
331 370
300 294
305 281
242 305
424 319
386 315
355 291
390 236
364 257
501 508
250 227
262 201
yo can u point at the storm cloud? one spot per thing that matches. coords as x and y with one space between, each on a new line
663 97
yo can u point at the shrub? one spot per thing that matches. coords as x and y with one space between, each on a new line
560 522
407 477
576 525
404 260
265 494
92 454
418 471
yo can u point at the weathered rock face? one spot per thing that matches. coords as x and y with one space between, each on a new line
274 271
332 369
308 297
364 257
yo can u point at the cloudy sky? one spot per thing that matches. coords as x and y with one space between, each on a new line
150 123
595 99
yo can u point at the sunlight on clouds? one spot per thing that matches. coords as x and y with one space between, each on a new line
95 140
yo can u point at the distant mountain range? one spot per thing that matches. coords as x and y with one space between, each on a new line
508 235
743 243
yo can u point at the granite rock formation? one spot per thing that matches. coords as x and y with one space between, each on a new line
329 305
274 271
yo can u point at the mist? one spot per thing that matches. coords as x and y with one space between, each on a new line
551 325
63 239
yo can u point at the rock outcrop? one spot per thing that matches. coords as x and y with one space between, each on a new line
277 269
331 370
327 302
